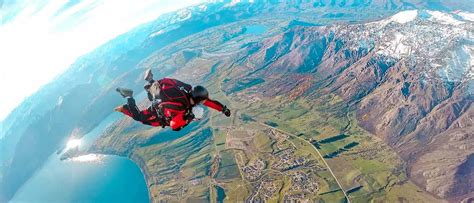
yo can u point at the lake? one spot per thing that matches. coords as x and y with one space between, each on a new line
87 178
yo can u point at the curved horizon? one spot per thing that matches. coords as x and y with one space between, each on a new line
41 39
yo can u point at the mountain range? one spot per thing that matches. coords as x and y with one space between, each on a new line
396 71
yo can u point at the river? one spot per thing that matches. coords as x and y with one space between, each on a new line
87 178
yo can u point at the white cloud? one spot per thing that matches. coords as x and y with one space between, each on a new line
43 40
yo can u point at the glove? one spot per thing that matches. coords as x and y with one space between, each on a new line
226 111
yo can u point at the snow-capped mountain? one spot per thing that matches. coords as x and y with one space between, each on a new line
406 76
442 43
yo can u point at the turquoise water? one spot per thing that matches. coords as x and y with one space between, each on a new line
255 29
95 178
220 194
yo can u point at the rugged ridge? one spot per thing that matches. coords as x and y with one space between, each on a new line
404 76
402 95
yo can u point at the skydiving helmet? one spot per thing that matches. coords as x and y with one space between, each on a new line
199 94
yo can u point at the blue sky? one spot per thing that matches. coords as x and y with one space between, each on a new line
39 39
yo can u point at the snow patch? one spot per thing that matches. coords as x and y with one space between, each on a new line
401 49
404 16
443 18
466 16
396 47
460 65
470 71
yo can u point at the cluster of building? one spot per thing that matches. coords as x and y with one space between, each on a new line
303 182
286 160
254 169
268 189
276 135
283 161
300 197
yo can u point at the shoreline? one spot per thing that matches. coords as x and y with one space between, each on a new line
135 159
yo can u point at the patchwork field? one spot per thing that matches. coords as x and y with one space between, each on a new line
282 142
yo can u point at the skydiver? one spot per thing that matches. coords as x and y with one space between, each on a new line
172 103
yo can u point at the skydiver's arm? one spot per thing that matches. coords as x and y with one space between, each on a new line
217 106
213 104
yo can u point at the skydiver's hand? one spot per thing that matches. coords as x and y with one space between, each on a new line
226 111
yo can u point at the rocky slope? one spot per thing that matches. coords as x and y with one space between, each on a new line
409 78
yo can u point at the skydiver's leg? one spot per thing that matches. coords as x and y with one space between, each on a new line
146 116
133 109
129 109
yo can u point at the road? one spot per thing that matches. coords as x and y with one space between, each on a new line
291 134
319 153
